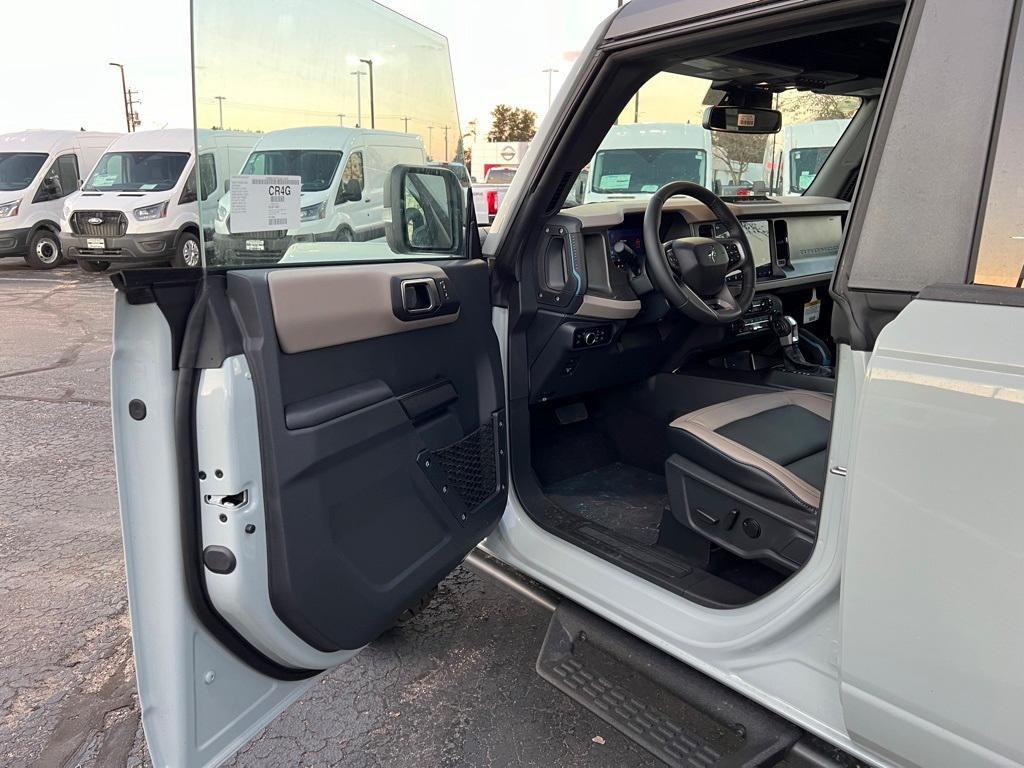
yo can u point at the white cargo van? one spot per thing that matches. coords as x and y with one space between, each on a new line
342 170
38 170
141 205
793 157
638 159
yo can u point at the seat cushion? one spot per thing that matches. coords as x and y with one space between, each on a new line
775 444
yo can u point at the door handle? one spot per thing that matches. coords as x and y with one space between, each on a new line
419 296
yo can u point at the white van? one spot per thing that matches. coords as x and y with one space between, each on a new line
342 170
637 159
141 205
793 156
38 170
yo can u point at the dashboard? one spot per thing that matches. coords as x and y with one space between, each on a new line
599 316
793 243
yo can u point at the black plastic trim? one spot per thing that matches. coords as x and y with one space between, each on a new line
995 295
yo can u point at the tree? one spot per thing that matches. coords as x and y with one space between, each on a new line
738 151
512 124
805 107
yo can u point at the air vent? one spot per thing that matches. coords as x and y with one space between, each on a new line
556 199
781 243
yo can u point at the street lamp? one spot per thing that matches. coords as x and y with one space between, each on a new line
220 108
124 95
359 75
549 72
341 119
369 63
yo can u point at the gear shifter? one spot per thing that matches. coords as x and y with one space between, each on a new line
788 332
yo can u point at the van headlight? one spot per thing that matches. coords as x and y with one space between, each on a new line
150 212
313 212
9 209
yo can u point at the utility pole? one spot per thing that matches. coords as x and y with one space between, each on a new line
430 142
341 119
406 121
124 94
132 111
549 72
373 121
446 143
359 75
220 107
636 108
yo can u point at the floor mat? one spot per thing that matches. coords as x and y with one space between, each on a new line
626 499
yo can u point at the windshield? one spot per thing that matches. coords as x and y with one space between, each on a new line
636 171
17 169
316 167
659 137
137 172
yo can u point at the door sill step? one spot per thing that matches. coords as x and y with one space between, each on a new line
670 709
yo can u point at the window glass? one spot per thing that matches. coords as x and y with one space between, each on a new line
1001 249
659 138
207 175
60 180
17 169
137 172
336 94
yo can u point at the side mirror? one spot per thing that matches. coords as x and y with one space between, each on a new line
227 186
742 120
81 183
351 192
424 210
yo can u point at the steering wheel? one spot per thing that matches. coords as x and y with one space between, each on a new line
690 271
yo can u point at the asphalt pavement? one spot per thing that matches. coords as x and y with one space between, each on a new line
455 687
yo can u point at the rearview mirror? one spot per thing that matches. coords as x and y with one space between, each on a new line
424 210
742 119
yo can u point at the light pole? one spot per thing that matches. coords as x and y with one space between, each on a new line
341 119
220 109
124 95
430 142
406 121
446 143
369 63
359 75
549 72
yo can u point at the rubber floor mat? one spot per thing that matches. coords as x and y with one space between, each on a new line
619 496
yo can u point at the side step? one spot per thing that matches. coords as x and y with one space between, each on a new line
670 709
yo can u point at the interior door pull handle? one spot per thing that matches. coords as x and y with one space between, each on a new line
419 296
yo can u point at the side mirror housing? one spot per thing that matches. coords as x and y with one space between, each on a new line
227 186
742 119
424 210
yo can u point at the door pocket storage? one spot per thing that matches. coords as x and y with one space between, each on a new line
469 472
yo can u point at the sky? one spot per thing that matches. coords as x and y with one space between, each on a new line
498 53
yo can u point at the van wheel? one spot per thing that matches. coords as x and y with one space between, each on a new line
43 250
187 252
94 266
344 235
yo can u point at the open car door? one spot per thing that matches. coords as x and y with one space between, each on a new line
307 441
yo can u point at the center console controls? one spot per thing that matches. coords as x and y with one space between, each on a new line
758 316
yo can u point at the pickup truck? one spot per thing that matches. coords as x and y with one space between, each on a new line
487 196
759 459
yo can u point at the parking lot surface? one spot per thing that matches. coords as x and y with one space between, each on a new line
456 687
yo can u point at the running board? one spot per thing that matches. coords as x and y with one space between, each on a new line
670 709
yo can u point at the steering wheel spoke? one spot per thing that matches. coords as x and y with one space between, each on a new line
738 253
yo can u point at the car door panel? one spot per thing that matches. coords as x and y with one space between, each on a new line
378 439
